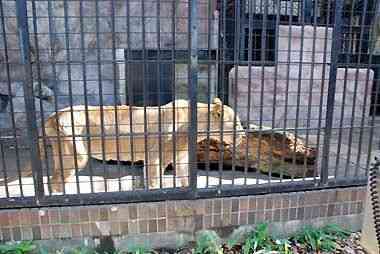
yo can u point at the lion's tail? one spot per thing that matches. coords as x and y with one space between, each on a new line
51 132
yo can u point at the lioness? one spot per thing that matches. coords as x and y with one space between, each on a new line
68 134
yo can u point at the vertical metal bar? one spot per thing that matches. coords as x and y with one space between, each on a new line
68 65
311 84
287 82
299 88
146 165
363 49
359 52
192 93
35 33
115 91
335 50
13 120
101 103
53 40
262 60
319 129
174 144
276 46
209 45
222 92
160 162
129 89
250 52
84 76
345 81
236 67
22 27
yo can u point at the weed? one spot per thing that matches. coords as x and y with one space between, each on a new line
208 242
259 239
18 248
315 239
139 249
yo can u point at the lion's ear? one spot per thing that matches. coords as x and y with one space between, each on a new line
217 108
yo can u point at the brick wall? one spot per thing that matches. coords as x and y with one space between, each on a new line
162 219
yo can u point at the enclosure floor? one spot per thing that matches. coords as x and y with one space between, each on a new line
352 161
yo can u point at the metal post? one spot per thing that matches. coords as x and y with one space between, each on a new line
192 93
335 50
23 33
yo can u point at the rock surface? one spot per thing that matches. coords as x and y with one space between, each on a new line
51 52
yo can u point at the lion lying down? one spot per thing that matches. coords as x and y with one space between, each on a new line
69 135
280 152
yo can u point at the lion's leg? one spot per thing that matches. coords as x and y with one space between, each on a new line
152 167
70 163
182 169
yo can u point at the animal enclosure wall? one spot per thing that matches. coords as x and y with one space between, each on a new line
175 99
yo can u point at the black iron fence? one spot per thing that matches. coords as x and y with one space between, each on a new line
124 101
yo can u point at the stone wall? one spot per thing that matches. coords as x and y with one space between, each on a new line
301 80
53 54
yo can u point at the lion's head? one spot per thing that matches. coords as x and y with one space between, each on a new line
223 133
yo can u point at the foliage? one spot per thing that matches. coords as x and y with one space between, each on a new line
258 239
319 239
336 231
283 246
83 250
208 242
139 249
18 248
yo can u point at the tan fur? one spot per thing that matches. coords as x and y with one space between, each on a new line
61 127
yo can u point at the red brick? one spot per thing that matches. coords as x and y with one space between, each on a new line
260 203
36 231
85 229
46 232
6 234
143 226
4 219
227 205
161 225
207 221
14 218
124 228
217 206
76 231
268 203
25 218
251 218
115 228
208 207
122 213
16 233
152 226
54 216
252 204
243 204
133 227
94 214
161 210
84 217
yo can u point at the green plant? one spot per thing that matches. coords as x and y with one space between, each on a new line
315 239
139 249
17 248
283 246
83 250
336 231
259 239
208 242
